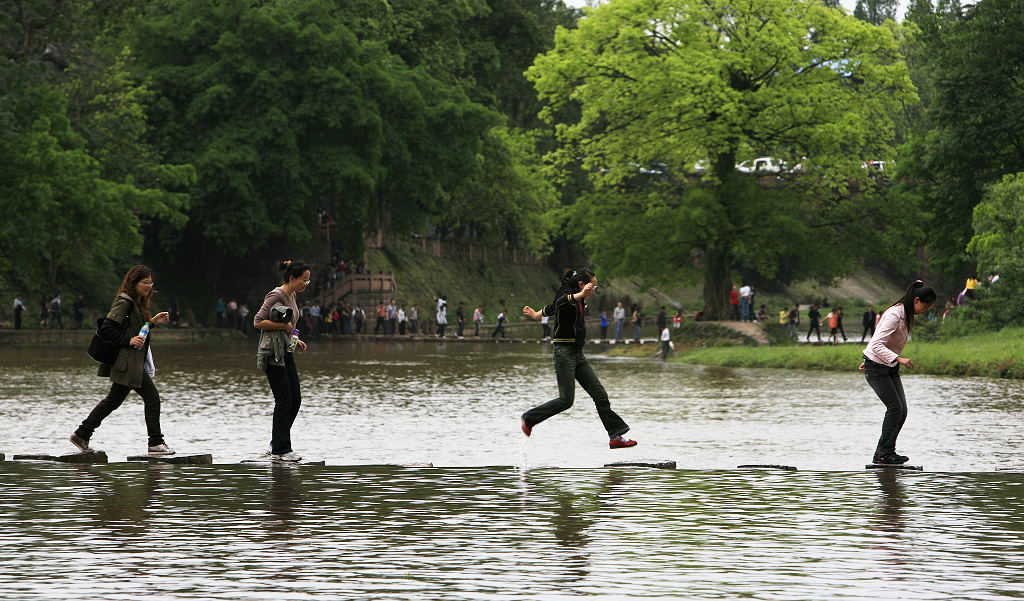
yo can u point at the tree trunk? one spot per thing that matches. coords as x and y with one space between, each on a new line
717 285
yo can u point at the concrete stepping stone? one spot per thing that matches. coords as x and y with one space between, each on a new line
666 464
881 466
202 459
91 457
270 462
767 466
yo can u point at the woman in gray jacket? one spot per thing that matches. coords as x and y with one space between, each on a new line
133 368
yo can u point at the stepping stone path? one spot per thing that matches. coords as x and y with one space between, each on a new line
93 457
179 459
656 463
879 466
269 462
759 466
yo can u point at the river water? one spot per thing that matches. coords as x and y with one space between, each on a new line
499 515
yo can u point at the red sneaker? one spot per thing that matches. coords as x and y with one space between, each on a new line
621 443
527 429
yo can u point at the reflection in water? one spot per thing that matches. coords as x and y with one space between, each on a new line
241 532
891 502
283 498
571 515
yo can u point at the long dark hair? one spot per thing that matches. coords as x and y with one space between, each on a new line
292 269
917 290
572 278
129 286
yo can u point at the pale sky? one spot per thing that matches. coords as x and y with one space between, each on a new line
848 4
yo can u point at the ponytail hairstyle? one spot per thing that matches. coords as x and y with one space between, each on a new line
292 269
572 278
130 284
918 290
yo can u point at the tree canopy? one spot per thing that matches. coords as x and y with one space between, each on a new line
674 83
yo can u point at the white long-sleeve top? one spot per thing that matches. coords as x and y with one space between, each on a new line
890 337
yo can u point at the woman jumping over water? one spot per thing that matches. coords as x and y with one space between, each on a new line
882 361
571 366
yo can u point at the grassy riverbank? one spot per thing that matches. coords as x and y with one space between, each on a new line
990 354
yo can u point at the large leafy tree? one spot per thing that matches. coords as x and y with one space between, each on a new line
268 102
973 131
673 82
77 180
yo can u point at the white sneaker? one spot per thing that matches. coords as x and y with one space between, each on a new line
160 449
289 456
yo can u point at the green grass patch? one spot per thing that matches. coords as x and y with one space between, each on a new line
987 354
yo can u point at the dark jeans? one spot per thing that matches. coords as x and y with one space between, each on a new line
284 382
462 326
113 400
814 328
868 332
499 330
885 381
571 366
476 325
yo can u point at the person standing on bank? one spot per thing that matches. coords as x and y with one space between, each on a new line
276 358
133 368
882 361
19 308
571 365
868 321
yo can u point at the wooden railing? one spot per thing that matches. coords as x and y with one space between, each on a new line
356 284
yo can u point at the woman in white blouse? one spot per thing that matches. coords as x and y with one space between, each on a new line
882 361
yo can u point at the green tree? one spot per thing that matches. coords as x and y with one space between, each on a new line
998 224
876 12
973 128
66 222
675 83
269 102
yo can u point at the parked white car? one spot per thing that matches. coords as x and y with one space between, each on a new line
761 165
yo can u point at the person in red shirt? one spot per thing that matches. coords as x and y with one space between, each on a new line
734 300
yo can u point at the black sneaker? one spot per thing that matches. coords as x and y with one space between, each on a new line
891 459
81 443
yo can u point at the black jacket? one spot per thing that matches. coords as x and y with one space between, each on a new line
570 325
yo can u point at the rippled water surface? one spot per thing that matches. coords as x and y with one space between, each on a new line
131 531
500 516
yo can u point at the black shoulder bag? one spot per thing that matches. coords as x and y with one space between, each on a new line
100 349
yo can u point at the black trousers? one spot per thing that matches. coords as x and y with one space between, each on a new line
284 382
571 366
886 383
814 328
499 330
116 396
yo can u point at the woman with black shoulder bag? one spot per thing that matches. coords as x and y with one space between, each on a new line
132 368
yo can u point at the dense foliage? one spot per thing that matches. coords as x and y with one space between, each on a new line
676 84
222 129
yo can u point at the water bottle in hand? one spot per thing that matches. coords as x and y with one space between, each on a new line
143 333
294 341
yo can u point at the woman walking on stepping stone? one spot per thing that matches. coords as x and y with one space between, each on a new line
133 368
276 321
571 366
882 361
